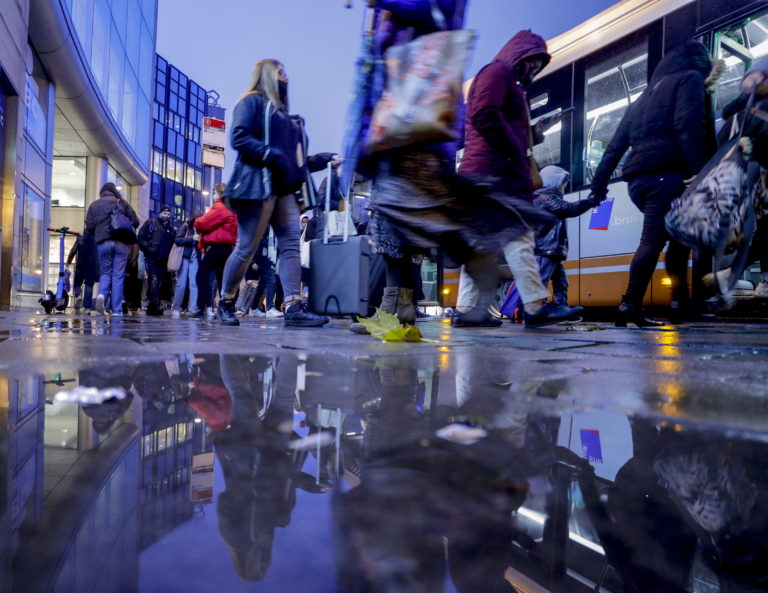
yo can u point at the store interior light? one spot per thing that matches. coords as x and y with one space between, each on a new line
206 193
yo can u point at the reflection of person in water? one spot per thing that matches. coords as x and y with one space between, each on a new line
415 490
680 490
105 415
261 469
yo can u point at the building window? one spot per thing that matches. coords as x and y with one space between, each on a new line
157 162
611 85
32 228
548 152
68 183
157 136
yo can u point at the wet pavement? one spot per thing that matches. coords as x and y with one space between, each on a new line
160 455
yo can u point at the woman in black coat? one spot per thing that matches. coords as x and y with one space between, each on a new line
672 137
258 204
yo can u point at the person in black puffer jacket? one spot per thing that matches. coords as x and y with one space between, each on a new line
156 237
671 136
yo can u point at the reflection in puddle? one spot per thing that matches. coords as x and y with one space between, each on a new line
376 474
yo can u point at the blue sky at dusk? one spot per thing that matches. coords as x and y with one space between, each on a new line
217 43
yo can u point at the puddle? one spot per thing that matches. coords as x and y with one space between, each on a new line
308 473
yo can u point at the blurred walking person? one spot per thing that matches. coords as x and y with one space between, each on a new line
156 238
498 146
262 189
186 278
113 245
671 136
218 235
263 269
418 202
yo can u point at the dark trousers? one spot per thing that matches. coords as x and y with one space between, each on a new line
552 268
211 269
267 282
653 195
156 270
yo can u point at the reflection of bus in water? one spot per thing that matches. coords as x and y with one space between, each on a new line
598 68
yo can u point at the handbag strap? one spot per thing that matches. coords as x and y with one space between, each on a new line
437 15
267 120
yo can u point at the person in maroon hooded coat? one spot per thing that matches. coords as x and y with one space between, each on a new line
498 145
418 201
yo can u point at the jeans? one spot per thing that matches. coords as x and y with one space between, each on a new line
282 214
211 269
653 195
156 270
267 282
187 276
524 267
113 257
552 268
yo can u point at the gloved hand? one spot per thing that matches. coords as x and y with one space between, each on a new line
597 199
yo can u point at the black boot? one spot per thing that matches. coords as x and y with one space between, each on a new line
226 312
629 313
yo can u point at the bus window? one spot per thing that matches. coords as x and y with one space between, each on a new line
611 85
740 47
548 152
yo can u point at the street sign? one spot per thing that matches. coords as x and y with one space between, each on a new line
214 139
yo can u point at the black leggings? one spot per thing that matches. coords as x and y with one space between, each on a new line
653 195
211 267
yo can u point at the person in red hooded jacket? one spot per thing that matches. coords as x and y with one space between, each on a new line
218 235
498 144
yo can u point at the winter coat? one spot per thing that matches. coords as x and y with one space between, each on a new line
667 127
86 258
309 164
498 127
554 242
185 238
97 219
253 154
156 240
218 225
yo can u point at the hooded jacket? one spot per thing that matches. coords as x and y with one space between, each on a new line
156 239
498 120
218 225
667 127
554 242
97 218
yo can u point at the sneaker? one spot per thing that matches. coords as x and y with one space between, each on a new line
474 318
209 314
198 314
175 313
99 306
257 313
761 290
274 314
549 314
78 303
299 315
424 316
118 314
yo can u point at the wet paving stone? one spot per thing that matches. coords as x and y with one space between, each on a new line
157 455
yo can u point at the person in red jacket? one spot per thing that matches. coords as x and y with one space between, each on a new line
218 235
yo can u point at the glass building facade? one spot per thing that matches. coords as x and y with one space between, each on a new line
117 38
178 179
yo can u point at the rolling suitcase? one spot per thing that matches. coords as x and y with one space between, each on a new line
339 270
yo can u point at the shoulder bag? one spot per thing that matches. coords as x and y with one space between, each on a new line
175 258
121 227
424 89
248 182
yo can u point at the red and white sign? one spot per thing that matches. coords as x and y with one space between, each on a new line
214 138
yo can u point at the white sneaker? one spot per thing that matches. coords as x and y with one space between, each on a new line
761 290
274 313
257 313
175 313
209 314
99 306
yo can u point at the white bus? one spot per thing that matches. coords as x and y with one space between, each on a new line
598 68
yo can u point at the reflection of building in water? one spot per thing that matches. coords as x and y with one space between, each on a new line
171 440
62 501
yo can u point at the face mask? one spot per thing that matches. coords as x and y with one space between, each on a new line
282 88
165 217
525 73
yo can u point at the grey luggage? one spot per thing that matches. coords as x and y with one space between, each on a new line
339 270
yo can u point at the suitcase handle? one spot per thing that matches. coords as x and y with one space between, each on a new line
347 209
